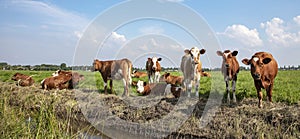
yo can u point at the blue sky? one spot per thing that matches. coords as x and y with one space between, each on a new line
37 32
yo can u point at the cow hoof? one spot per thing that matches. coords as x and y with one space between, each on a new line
260 105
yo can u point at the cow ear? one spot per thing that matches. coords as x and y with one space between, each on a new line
266 60
219 53
187 51
246 61
159 59
234 53
167 74
202 51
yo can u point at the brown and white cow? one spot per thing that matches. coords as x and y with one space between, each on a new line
76 77
57 82
153 69
157 89
191 67
205 74
138 74
230 69
22 79
114 70
171 79
264 69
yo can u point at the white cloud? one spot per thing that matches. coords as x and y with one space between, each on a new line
297 19
278 32
118 37
243 35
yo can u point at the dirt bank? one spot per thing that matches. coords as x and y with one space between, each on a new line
241 120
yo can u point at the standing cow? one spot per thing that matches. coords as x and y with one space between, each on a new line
191 67
264 69
114 70
153 69
230 69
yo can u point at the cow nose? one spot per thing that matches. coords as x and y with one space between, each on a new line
257 75
227 65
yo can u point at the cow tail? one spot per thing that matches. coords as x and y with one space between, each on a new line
129 73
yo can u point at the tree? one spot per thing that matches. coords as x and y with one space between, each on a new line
63 66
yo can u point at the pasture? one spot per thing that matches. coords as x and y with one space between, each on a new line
55 112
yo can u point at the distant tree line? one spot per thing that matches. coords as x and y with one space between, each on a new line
63 66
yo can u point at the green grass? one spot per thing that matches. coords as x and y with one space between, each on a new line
285 89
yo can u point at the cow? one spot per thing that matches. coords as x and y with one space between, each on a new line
191 67
153 69
264 69
76 77
158 89
114 70
138 74
205 74
22 79
230 69
57 82
171 79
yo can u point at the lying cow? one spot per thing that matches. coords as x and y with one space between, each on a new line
153 69
171 79
57 82
76 77
264 69
22 79
114 70
205 74
138 74
158 89
230 69
191 67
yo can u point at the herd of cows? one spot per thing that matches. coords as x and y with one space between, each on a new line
264 69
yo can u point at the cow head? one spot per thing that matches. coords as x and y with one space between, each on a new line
15 77
153 64
140 86
257 63
227 58
96 65
164 77
195 53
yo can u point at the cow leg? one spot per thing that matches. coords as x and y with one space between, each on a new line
233 90
259 93
227 91
156 77
269 92
125 83
105 87
111 86
197 85
189 87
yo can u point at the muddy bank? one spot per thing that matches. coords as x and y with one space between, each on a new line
241 120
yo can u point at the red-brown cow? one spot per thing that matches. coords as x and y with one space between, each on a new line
22 79
171 79
191 67
114 70
264 69
138 74
230 69
153 69
76 77
57 82
158 89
